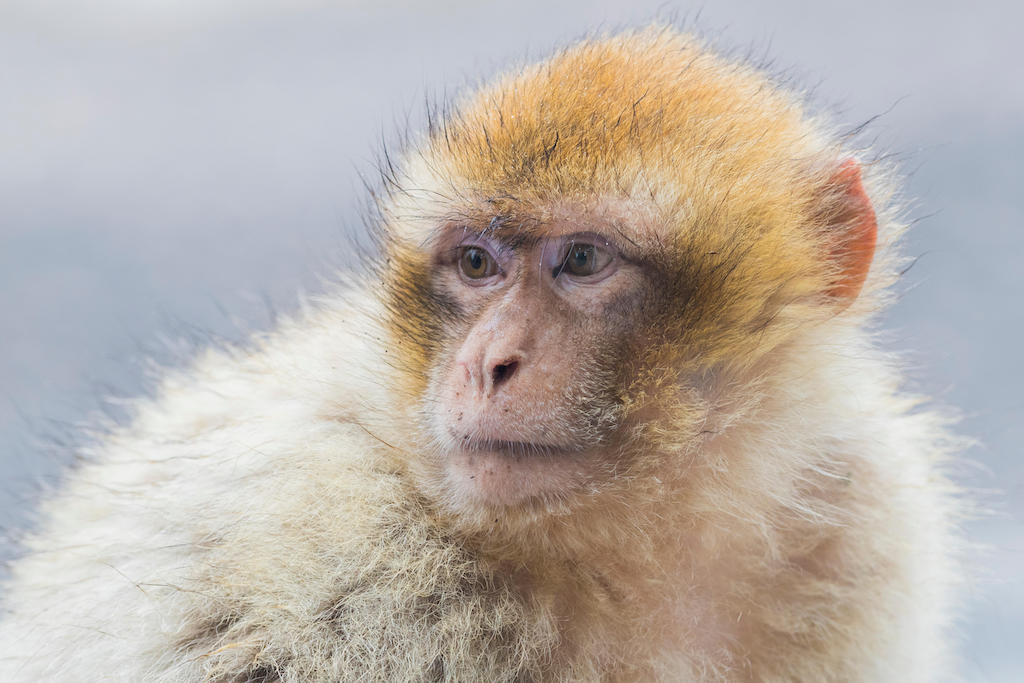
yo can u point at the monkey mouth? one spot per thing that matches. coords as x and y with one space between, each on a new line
514 448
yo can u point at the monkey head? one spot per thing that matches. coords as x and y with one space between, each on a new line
587 255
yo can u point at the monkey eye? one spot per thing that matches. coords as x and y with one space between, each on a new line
582 259
476 263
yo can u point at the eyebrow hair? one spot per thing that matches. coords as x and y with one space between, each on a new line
499 229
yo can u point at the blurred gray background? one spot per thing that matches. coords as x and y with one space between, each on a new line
180 170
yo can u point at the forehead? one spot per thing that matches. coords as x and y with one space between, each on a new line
525 225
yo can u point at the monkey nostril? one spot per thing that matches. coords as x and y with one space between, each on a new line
503 372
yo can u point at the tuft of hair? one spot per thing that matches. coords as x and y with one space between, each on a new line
271 514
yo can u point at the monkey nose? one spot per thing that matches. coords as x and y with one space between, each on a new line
500 374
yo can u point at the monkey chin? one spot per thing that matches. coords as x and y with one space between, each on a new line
498 474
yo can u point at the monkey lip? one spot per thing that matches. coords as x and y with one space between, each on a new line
514 448
507 442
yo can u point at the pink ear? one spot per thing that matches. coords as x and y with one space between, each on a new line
856 218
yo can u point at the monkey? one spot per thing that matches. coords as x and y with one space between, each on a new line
604 403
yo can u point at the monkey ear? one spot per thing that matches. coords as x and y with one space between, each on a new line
852 221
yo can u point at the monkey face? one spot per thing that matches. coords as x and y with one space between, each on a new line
525 401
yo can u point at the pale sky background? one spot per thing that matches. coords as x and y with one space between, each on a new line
168 168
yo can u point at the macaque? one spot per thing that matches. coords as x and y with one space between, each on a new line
605 405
